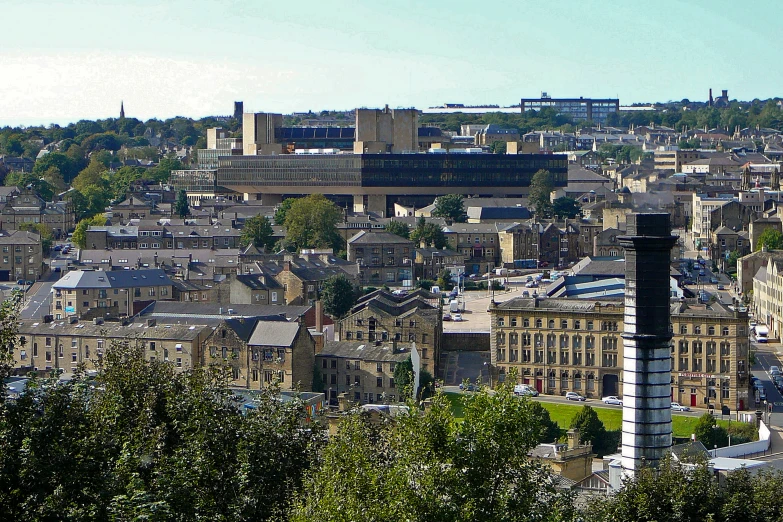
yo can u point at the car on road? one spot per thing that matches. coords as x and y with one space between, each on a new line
447 317
613 399
470 387
714 280
456 317
676 406
531 284
721 287
573 396
702 273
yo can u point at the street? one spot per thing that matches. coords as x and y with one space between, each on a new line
36 305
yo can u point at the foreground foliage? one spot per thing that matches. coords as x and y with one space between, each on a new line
144 443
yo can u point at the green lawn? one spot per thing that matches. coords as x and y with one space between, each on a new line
682 426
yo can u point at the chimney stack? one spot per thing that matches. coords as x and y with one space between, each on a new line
319 316
647 416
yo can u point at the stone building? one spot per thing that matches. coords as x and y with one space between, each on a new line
560 345
65 345
362 370
95 293
21 256
605 243
476 241
381 317
27 207
383 258
573 460
262 352
429 262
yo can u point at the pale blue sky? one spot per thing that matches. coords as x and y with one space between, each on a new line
67 60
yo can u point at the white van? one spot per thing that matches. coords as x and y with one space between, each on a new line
454 306
762 333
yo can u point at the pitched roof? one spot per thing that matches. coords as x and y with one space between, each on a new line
113 279
366 351
372 238
274 333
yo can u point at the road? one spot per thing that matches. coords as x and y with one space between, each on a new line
769 355
37 304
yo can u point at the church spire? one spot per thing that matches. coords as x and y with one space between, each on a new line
122 110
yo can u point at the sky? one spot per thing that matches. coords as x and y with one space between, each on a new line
62 61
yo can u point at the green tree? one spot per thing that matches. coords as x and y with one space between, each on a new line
444 279
450 207
311 222
498 147
670 493
258 231
181 206
549 429
734 256
592 430
425 466
282 210
566 207
161 172
771 238
398 228
92 175
541 187
79 237
709 433
67 167
403 378
338 296
428 233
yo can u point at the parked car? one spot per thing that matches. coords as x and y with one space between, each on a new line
714 280
573 396
447 317
613 399
676 406
721 287
456 317
470 387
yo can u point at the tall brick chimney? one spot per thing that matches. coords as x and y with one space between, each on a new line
647 416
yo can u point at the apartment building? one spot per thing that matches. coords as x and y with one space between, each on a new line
261 352
560 345
429 262
21 256
362 370
66 345
27 207
151 235
478 242
703 207
383 258
96 293
381 317
671 158
768 292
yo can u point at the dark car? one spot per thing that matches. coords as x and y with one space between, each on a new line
29 283
20 282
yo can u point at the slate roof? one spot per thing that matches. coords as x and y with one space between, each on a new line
19 237
366 351
489 213
243 327
274 333
190 311
373 238
86 279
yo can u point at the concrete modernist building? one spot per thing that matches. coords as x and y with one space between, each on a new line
579 109
382 170
647 414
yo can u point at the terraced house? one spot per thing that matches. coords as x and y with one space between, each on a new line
560 345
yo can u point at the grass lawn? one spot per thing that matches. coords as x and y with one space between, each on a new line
682 426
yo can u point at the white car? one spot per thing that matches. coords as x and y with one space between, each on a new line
456 317
573 396
613 399
676 406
